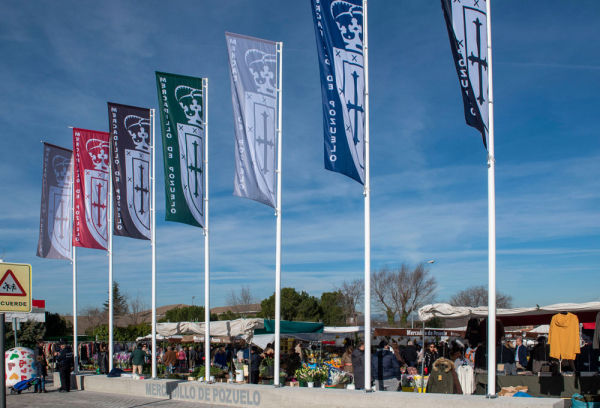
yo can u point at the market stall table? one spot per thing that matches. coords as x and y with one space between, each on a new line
556 386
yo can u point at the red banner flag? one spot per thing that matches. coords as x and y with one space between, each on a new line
91 152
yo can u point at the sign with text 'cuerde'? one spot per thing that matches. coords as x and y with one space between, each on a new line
15 287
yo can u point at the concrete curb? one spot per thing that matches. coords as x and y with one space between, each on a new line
243 395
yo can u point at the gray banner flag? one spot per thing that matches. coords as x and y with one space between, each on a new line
55 212
253 72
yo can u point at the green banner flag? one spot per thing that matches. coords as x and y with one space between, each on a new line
181 101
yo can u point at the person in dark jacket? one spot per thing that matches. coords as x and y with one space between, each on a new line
103 359
385 369
40 368
39 352
358 365
138 358
409 355
431 355
254 365
65 364
520 353
193 357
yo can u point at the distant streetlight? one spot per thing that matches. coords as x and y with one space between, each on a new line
193 297
412 325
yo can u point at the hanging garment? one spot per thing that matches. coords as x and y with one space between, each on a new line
466 377
443 378
563 336
472 334
483 329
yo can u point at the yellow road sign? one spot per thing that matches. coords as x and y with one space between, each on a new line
15 287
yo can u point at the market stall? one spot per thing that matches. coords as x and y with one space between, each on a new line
538 315
566 320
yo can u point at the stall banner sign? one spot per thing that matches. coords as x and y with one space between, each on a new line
15 287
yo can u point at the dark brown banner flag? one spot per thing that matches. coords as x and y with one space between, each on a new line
130 146
56 207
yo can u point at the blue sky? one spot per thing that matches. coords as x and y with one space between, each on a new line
63 60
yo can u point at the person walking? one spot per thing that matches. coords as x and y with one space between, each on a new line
64 358
358 366
385 369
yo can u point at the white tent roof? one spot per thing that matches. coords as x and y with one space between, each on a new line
342 330
445 310
226 328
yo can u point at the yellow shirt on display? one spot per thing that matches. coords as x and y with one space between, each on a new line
563 336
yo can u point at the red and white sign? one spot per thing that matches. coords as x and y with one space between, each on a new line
91 152
10 286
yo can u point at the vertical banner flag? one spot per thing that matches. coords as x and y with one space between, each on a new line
92 161
339 32
181 114
467 29
253 71
130 147
55 211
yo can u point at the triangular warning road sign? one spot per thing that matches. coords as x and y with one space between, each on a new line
10 286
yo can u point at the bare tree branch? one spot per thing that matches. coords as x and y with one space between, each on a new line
476 296
238 302
399 291
94 316
136 305
352 296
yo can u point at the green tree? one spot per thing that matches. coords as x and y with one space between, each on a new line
56 326
332 305
27 336
435 322
294 306
229 315
120 306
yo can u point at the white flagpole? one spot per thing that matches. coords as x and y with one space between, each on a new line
74 259
110 271
367 194
153 226
491 220
206 239
277 344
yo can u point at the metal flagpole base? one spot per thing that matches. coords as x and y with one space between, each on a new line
488 396
370 390
277 386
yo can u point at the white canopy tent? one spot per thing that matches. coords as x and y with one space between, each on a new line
512 317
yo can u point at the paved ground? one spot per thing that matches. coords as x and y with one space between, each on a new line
90 399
